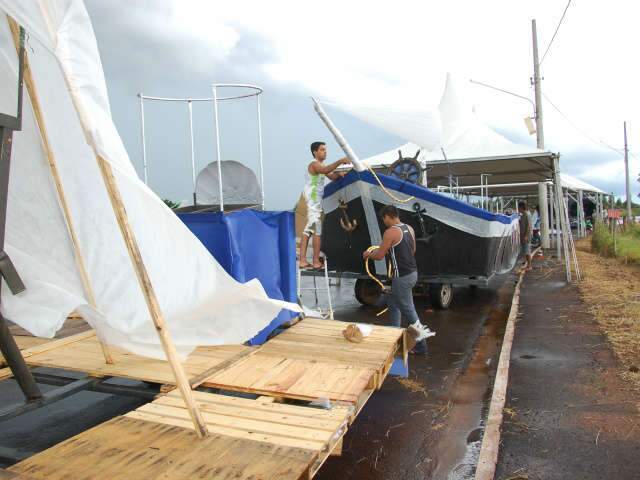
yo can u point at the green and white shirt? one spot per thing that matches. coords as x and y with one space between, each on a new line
314 189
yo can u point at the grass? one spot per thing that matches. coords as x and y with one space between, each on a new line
626 245
612 292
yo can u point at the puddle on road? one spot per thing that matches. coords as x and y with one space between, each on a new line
456 452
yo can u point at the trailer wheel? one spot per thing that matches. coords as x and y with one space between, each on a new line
441 295
367 291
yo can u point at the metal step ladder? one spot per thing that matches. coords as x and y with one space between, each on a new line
315 289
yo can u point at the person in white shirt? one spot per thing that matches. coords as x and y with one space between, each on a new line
313 193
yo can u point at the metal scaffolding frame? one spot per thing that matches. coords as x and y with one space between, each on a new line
254 91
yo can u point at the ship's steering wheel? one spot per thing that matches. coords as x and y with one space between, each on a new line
407 169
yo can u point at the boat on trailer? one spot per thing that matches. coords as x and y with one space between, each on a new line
456 242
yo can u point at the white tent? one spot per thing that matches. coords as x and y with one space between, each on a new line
454 128
470 147
81 259
575 184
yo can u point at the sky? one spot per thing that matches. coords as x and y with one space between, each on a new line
369 53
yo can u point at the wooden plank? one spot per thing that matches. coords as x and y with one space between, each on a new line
5 373
197 380
301 379
271 432
182 381
214 428
83 355
55 175
53 344
277 416
126 448
6 475
336 412
23 342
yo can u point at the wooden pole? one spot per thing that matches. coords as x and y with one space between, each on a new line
37 111
149 294
128 236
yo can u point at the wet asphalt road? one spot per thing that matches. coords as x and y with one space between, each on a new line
426 426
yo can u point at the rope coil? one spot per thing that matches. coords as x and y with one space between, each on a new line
373 277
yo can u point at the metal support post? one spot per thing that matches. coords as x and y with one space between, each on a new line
260 149
582 226
192 151
544 214
217 130
143 140
10 351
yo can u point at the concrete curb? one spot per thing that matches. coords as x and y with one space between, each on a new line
488 459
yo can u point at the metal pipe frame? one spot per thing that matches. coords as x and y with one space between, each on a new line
260 147
192 151
256 92
142 135
49 397
218 159
70 386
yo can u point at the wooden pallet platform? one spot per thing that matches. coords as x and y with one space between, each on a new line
249 439
308 361
82 353
313 360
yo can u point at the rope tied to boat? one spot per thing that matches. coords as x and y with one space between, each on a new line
384 189
374 278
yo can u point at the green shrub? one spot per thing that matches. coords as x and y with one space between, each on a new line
625 247
602 240
628 245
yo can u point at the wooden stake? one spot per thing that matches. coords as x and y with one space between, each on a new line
37 111
149 294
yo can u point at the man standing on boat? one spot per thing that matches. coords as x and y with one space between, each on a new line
526 230
313 193
399 241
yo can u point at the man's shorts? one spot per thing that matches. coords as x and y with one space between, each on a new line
525 249
314 221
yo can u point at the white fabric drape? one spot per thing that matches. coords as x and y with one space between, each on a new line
202 304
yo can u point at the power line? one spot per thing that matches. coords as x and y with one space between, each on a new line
578 129
556 32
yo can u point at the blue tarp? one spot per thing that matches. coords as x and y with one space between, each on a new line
251 244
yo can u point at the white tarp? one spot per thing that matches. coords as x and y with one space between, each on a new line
419 125
201 303
463 136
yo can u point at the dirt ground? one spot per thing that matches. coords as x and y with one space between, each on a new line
611 291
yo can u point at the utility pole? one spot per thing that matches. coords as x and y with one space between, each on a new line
536 85
626 172
542 187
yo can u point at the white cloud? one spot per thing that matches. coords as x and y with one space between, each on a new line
399 52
